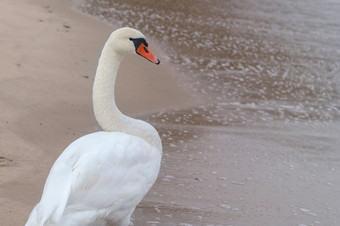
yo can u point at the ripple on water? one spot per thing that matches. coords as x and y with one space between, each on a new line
250 65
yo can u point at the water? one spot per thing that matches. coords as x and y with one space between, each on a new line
254 60
262 147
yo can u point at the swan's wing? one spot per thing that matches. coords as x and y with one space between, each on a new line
103 170
55 195
57 188
118 171
56 191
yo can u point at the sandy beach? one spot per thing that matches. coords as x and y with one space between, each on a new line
48 59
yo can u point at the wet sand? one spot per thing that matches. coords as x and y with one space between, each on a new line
262 149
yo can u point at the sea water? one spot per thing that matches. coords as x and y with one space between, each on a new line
253 60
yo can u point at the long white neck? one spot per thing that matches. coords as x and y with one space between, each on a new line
105 109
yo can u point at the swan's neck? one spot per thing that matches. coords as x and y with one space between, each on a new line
105 109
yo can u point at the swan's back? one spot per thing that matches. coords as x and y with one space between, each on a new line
90 192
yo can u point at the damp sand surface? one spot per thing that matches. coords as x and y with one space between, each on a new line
248 112
261 147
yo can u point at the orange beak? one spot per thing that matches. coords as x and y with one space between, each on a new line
144 51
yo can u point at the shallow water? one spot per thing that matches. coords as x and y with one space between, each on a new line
253 60
262 147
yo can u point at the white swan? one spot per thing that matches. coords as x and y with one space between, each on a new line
101 177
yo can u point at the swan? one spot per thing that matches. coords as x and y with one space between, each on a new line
101 177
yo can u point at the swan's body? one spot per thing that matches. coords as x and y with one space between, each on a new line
101 177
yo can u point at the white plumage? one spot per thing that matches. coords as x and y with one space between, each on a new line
101 177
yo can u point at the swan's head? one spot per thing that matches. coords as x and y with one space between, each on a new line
131 41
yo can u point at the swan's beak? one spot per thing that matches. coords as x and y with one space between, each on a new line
144 51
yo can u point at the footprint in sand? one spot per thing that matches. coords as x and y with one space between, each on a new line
5 161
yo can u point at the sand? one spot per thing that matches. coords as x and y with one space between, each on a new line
48 59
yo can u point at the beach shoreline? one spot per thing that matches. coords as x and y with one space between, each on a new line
224 162
48 60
